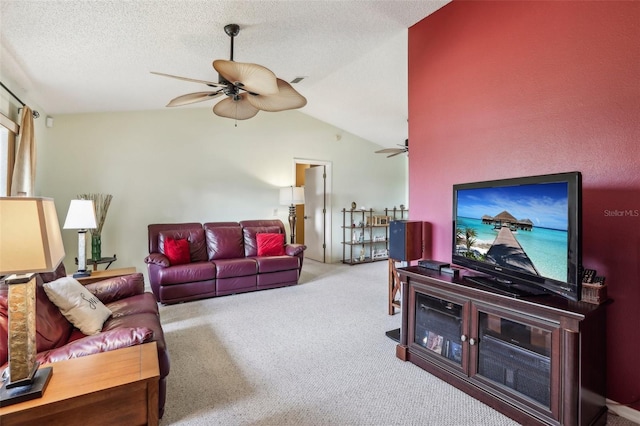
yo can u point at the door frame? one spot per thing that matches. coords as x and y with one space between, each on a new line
328 258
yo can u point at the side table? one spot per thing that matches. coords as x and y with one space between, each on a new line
116 387
95 263
394 287
107 273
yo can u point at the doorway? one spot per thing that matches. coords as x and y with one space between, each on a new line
315 229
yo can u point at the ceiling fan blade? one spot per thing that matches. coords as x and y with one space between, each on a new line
286 98
389 150
397 153
192 98
239 109
250 77
193 80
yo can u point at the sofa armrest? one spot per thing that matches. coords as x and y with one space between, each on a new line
112 289
97 343
294 249
157 259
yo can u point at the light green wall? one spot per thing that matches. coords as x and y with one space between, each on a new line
179 165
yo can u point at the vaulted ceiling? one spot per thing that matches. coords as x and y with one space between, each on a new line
78 56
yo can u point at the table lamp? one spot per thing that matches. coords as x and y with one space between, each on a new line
81 216
290 196
30 242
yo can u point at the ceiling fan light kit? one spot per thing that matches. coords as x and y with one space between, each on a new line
250 88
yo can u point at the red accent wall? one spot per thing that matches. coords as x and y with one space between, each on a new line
505 89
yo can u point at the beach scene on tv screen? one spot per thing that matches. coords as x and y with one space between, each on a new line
523 228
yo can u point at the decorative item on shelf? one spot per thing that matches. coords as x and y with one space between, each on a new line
292 196
81 216
353 205
397 213
594 289
379 254
381 220
30 242
101 203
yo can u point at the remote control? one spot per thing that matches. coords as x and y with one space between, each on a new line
588 275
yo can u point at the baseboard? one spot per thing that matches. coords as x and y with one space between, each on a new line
624 411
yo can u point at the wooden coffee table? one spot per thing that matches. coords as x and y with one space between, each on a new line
107 273
116 387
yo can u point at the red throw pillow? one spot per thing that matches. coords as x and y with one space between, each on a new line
177 251
270 244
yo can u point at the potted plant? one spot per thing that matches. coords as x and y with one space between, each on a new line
101 204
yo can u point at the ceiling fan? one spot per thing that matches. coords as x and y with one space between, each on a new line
395 151
249 88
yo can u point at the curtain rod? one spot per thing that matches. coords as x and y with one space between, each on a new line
36 114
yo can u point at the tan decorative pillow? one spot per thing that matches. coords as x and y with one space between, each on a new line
84 310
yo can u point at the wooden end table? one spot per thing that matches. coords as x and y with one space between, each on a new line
116 387
107 273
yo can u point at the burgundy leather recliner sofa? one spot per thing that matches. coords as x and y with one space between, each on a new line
135 320
223 260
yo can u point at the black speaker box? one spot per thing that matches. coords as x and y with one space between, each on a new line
405 240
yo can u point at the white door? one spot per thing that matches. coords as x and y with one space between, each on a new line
315 213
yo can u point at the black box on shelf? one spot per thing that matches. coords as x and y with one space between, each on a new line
433 264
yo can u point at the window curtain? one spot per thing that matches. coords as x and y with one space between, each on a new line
24 170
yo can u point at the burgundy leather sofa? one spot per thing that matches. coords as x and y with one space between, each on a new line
223 260
135 320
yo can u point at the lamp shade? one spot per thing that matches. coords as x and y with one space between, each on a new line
30 239
81 215
291 195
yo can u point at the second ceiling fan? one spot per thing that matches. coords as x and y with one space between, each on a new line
249 88
395 151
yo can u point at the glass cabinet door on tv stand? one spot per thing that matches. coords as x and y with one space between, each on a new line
439 328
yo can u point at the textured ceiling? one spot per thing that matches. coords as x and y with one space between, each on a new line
74 56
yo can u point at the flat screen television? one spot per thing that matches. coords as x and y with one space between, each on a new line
523 233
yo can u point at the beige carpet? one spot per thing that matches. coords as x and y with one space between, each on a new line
312 354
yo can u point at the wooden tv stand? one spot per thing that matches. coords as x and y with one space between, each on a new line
539 359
